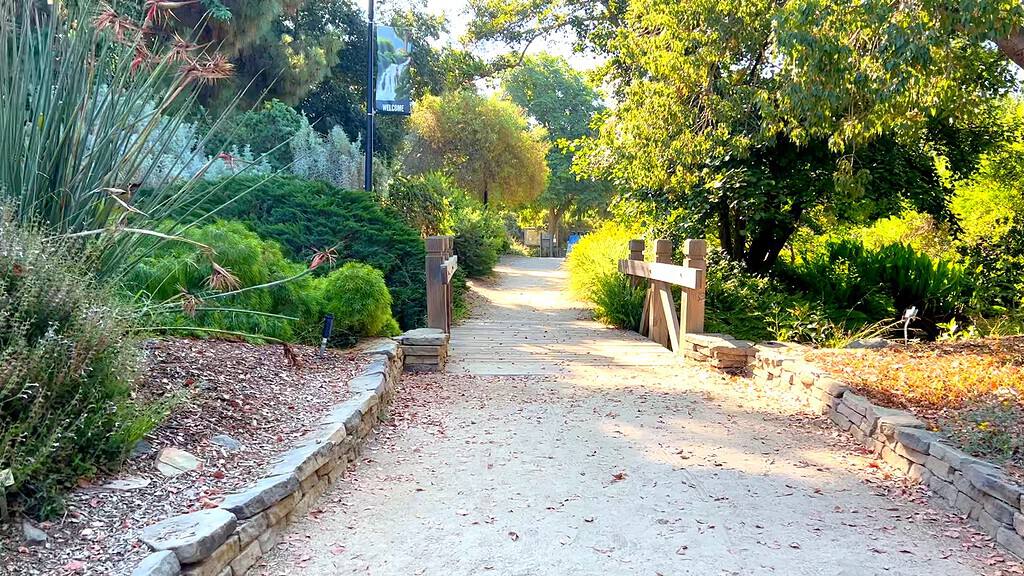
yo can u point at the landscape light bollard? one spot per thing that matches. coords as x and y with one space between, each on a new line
328 326
908 317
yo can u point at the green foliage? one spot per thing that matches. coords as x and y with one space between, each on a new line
480 237
991 430
617 302
359 300
305 217
475 247
181 273
89 133
424 202
875 284
597 254
484 144
562 101
69 365
996 267
266 131
739 303
744 116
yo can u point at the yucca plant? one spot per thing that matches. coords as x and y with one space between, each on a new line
89 98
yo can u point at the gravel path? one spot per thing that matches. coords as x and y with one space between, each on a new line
592 454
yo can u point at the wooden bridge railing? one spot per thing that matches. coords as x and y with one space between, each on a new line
441 266
659 321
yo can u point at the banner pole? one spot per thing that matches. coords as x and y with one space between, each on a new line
371 86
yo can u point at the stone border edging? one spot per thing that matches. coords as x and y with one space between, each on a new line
977 489
230 539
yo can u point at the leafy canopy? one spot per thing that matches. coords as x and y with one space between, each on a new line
484 143
562 101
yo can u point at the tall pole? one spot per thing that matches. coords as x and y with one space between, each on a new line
371 85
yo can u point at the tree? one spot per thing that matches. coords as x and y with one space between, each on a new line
484 143
845 71
559 99
748 114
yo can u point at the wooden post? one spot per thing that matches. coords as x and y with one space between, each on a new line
437 292
449 250
636 252
658 320
691 306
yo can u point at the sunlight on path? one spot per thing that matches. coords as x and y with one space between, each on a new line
559 447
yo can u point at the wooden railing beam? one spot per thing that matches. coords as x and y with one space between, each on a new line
659 320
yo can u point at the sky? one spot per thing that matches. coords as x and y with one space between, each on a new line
457 12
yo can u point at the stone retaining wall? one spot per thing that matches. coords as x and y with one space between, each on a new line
978 489
228 540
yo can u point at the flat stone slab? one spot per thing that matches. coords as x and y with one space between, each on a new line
302 460
374 382
385 346
423 337
379 365
123 485
916 438
992 481
191 537
856 402
868 344
889 420
262 495
226 442
163 563
33 536
175 461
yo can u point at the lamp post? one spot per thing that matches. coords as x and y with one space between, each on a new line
371 85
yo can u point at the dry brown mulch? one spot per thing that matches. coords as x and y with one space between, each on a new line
971 390
251 393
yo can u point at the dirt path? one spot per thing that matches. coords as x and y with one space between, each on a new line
558 447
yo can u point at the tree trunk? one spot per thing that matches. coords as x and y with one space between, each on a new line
1013 47
485 194
555 221
725 232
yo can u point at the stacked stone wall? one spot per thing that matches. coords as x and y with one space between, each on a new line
230 539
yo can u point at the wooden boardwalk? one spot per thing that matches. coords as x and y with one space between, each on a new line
527 323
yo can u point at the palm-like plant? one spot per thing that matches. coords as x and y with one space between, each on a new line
88 99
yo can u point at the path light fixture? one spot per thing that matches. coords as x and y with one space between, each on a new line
326 334
909 316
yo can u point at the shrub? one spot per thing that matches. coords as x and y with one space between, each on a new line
737 302
480 237
67 366
617 302
180 267
305 216
359 300
598 253
90 133
423 202
475 248
882 283
266 131
333 158
752 307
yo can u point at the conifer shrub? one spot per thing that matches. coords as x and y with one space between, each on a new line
305 217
